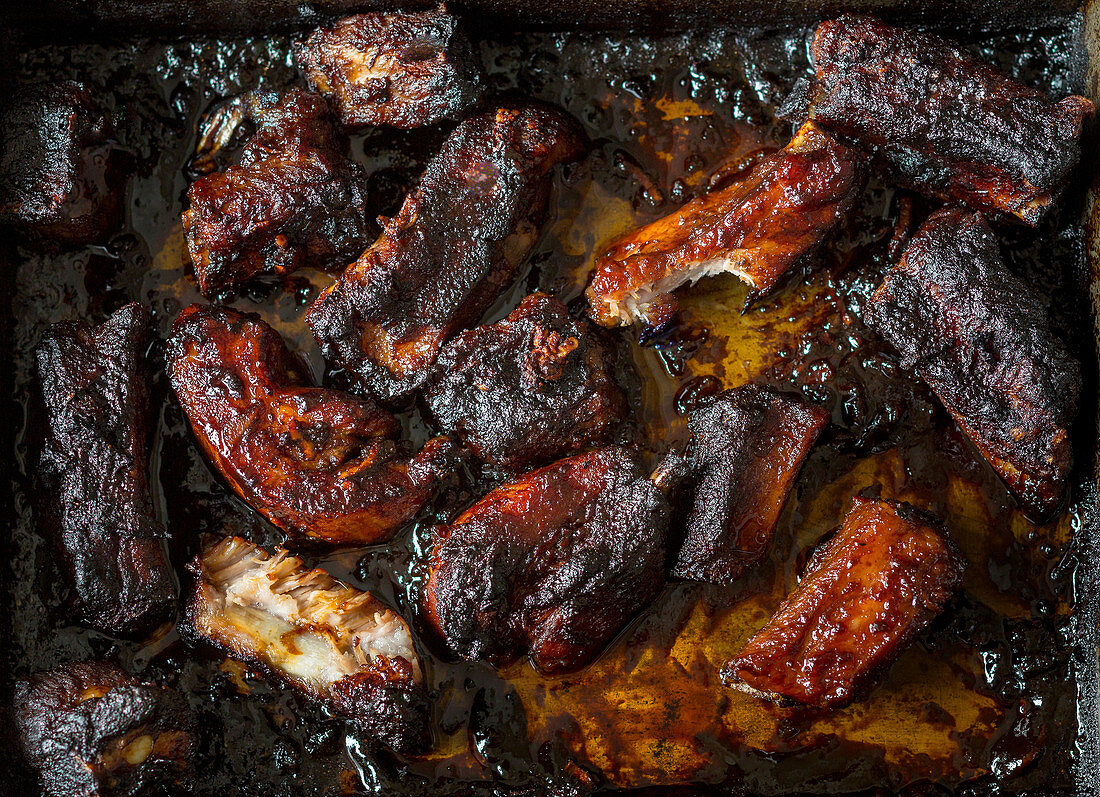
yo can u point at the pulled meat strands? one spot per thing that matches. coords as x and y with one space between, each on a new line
756 228
293 198
94 472
949 124
90 728
61 171
313 461
530 388
747 446
554 562
454 246
333 643
980 338
404 70
866 594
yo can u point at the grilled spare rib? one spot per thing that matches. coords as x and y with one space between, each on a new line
291 199
746 448
331 642
756 228
866 594
401 69
554 562
61 171
90 728
980 338
93 472
313 461
949 124
456 243
528 389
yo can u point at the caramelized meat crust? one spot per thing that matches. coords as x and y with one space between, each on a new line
866 593
94 472
292 199
949 124
61 172
313 461
331 642
528 389
456 243
554 562
404 70
980 338
92 729
747 446
755 228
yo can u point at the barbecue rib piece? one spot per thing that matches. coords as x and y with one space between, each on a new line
755 228
979 337
747 446
528 389
405 70
333 643
61 172
456 243
866 593
94 472
313 461
293 199
949 124
92 729
554 562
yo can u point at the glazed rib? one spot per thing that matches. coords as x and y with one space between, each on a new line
949 124
980 338
94 472
313 461
333 643
865 595
755 228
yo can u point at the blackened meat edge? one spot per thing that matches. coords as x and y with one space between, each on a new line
454 246
980 338
949 124
94 472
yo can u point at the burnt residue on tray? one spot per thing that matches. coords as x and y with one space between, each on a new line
981 704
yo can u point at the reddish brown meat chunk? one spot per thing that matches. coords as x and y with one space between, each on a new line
747 446
866 593
755 228
456 243
949 124
96 504
980 338
554 562
292 199
401 69
528 389
313 461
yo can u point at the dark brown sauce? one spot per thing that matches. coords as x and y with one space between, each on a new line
984 703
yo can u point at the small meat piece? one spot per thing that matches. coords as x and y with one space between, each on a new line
528 389
866 594
949 124
404 70
61 171
331 642
554 562
755 228
313 461
454 246
980 338
293 198
94 472
747 446
91 729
